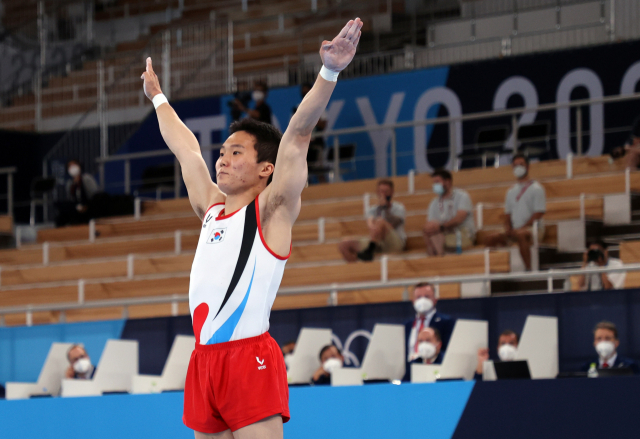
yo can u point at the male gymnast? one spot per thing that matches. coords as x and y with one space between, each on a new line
236 385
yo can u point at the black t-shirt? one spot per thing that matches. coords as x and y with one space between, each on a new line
265 112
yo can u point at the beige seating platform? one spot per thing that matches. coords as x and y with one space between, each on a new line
159 270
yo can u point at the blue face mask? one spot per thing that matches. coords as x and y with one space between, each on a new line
438 188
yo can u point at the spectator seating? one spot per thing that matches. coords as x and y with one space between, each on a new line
267 35
160 262
630 254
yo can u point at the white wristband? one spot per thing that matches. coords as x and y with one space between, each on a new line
159 100
329 75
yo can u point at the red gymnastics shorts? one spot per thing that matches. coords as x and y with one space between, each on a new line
234 384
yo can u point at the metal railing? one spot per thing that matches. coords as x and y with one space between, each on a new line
452 150
477 9
294 68
43 39
191 61
331 289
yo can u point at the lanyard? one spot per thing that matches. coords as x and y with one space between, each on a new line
523 190
441 202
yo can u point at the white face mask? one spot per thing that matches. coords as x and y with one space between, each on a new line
74 170
507 352
426 350
331 365
438 188
519 171
257 95
82 366
423 305
605 349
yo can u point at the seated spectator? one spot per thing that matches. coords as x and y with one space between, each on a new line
596 255
262 111
606 342
525 204
80 190
80 366
424 303
429 347
450 217
507 348
386 228
331 359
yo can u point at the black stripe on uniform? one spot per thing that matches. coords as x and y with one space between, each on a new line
248 237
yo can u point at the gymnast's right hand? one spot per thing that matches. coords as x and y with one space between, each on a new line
151 84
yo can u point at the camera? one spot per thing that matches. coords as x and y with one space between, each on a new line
594 255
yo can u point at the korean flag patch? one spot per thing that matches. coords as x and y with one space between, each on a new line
216 236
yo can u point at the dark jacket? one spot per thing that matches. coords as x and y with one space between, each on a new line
619 363
442 322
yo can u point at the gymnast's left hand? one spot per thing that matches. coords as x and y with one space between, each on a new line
337 54
151 84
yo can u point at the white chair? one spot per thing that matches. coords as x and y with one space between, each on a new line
384 358
174 372
460 358
538 345
118 364
304 360
50 376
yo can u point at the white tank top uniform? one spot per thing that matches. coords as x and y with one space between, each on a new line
234 277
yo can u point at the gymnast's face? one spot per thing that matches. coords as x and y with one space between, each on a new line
237 168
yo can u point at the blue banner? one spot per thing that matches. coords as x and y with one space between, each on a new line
24 349
372 101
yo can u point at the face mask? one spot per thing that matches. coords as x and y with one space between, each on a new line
438 189
605 349
423 305
74 170
257 95
507 352
331 365
519 171
82 366
426 350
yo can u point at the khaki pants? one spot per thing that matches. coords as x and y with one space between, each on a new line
541 231
466 238
392 243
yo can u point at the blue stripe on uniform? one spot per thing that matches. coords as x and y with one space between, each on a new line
224 332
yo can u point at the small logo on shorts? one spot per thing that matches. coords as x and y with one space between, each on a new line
261 363
216 236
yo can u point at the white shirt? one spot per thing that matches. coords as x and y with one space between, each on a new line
413 335
594 281
523 200
611 361
443 209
